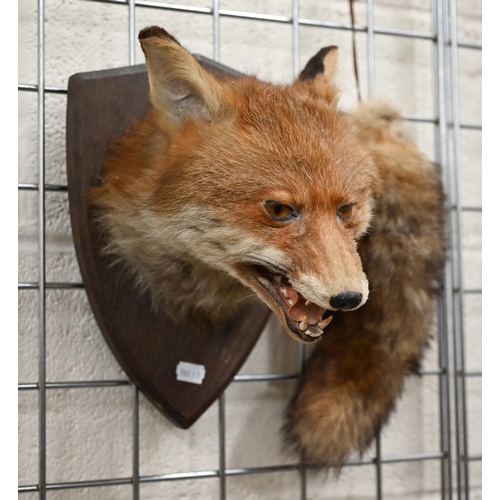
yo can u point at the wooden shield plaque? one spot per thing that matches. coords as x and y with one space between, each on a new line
102 105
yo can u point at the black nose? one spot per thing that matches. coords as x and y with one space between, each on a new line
346 300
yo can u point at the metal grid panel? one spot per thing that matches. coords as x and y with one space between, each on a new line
451 372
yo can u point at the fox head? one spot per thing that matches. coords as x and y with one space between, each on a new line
264 184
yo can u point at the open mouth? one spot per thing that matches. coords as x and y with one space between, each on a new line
303 318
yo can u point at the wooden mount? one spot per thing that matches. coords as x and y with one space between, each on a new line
102 106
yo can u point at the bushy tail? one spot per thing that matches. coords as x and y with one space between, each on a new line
355 376
377 120
349 389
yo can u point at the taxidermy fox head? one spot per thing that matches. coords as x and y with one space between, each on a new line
232 188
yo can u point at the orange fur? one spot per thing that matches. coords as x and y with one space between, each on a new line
188 198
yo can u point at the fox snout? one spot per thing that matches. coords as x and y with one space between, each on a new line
303 299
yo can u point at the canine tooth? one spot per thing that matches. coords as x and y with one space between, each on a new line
303 325
278 279
290 301
308 302
284 292
323 324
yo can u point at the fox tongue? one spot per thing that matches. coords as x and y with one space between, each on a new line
298 309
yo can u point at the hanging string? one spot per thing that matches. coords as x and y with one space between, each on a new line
354 53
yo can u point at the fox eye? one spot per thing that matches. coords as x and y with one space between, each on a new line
279 211
345 212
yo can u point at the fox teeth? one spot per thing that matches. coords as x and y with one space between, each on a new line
316 333
303 325
308 302
284 292
278 279
290 301
323 324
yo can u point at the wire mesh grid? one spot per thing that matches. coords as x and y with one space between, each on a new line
451 370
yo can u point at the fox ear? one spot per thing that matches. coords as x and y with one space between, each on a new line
180 88
319 72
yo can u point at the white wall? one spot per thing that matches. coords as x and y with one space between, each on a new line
89 430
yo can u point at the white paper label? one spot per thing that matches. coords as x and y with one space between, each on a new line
190 372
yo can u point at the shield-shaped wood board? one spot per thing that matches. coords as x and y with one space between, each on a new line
102 105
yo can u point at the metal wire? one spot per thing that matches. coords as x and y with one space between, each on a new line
135 443
443 331
216 14
179 476
458 296
42 440
447 132
222 446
